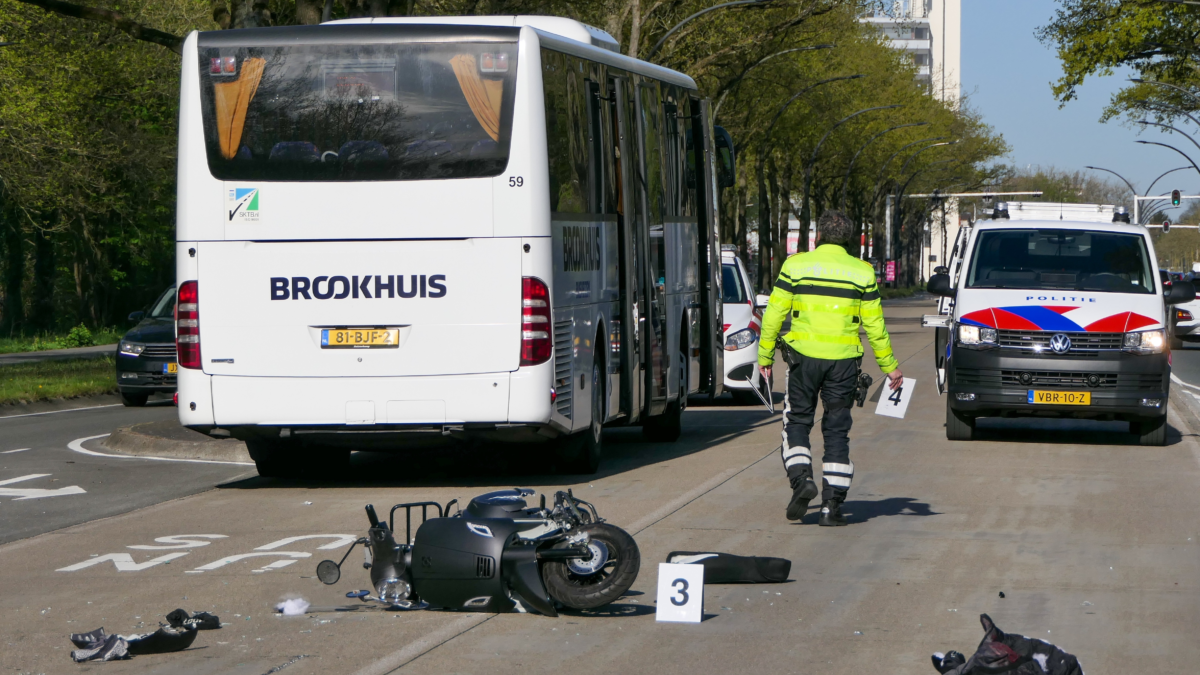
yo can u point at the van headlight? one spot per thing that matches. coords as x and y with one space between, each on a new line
131 348
1145 342
976 335
740 340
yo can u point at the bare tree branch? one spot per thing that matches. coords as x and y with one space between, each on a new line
120 22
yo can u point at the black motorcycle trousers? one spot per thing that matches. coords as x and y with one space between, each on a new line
834 380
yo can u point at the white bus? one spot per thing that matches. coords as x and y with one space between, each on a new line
397 233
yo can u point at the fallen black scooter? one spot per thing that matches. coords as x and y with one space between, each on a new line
496 555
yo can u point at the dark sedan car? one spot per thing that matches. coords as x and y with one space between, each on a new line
146 361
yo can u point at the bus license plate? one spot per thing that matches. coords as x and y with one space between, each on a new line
170 368
1060 397
349 338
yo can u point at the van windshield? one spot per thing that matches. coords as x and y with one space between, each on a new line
1060 259
732 291
410 111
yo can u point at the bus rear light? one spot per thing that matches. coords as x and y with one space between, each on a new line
187 325
536 345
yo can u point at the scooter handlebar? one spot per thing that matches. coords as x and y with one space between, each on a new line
371 515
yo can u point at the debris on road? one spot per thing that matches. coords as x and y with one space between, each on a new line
726 568
292 606
100 646
1005 652
200 620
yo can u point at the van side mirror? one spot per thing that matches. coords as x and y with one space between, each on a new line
760 301
137 316
941 269
726 160
1181 292
939 284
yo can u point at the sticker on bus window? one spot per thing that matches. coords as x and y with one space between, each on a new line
242 204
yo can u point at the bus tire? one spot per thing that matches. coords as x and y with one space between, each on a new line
274 459
959 426
580 453
667 427
1150 430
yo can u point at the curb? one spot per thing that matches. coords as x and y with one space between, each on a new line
159 439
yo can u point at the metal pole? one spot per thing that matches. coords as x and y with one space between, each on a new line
813 160
887 226
849 169
1185 156
732 83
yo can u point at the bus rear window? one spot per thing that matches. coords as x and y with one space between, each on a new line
358 112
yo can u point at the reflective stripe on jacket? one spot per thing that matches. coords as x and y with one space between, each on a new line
829 294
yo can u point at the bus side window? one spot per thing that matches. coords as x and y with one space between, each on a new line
597 171
566 133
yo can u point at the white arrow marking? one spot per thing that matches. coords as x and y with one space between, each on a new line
341 540
33 493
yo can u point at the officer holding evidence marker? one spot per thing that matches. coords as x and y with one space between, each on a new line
829 294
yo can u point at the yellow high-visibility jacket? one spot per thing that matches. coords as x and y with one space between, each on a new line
830 294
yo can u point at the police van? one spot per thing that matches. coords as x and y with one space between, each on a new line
398 233
1054 317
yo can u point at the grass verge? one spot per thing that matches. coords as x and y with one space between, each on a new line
45 380
46 341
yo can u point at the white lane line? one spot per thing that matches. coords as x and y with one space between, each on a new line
54 412
1176 380
9 452
77 446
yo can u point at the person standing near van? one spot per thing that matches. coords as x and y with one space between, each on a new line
829 294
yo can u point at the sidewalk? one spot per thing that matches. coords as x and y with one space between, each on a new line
58 354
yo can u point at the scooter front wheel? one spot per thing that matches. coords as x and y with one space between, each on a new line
601 579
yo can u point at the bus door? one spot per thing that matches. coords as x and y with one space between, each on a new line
628 210
648 166
701 162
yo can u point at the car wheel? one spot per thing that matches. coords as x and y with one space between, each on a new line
134 400
667 427
959 426
1150 430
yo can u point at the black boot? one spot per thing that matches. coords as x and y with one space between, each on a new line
803 492
831 514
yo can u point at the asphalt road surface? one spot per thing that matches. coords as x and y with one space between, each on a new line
1091 538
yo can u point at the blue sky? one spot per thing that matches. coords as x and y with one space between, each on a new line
1007 74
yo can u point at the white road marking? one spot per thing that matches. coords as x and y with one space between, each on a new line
54 412
77 446
123 561
1176 380
22 494
9 452
340 541
294 555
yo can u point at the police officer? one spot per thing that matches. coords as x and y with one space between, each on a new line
829 294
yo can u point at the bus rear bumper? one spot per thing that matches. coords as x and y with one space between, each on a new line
361 403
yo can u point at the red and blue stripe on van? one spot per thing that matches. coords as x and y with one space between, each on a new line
1052 317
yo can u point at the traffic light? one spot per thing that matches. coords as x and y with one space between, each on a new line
1166 226
1174 197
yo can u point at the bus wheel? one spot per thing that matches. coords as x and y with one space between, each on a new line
274 459
580 453
665 428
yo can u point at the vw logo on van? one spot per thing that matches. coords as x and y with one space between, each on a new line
1060 343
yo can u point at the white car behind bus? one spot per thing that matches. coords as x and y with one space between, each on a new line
743 326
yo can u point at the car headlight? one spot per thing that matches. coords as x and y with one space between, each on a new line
131 348
1145 342
976 335
740 340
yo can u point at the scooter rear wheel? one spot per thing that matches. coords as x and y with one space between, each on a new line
608 582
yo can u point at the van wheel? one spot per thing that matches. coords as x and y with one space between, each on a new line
1150 430
275 459
134 400
580 453
959 427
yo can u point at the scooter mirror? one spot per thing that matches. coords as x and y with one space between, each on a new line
328 572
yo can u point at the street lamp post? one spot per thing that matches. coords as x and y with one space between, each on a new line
658 45
1138 80
849 169
805 212
1185 156
900 196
